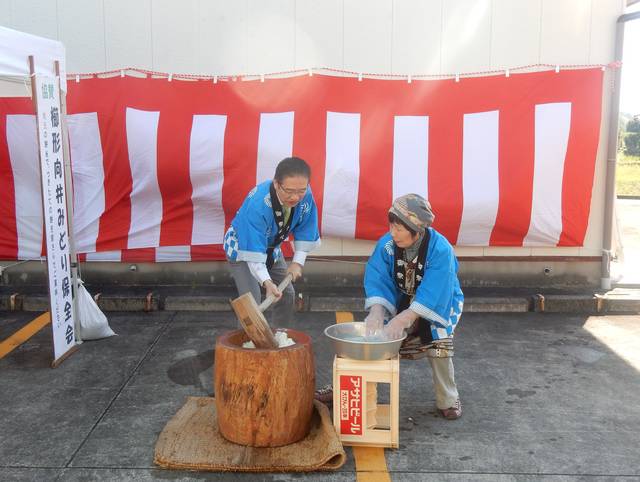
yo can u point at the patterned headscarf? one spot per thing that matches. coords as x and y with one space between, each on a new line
414 211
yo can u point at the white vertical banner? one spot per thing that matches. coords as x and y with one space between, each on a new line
114 256
49 122
342 175
275 142
146 199
173 253
23 154
552 126
410 155
206 169
480 184
88 179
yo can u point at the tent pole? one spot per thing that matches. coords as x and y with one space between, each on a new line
69 192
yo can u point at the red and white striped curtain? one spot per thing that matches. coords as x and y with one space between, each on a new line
160 167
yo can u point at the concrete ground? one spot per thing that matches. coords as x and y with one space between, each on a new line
545 397
627 270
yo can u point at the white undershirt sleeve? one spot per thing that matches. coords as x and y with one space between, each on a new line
300 257
259 271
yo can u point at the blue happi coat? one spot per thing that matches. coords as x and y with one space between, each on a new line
254 227
438 299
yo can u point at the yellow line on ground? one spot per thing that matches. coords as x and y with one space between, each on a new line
23 334
371 465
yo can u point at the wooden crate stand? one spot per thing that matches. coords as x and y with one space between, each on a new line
357 416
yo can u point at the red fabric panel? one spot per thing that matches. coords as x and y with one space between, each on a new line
376 156
579 167
445 170
310 98
173 168
240 153
309 136
109 98
139 255
515 170
207 252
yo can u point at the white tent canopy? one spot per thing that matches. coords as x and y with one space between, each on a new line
15 48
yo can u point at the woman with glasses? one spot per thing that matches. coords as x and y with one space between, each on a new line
271 211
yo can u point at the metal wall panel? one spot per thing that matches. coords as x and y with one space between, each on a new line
505 251
604 14
466 36
565 31
271 35
38 17
319 34
6 18
367 35
174 36
399 36
357 247
81 30
128 37
515 33
417 37
222 34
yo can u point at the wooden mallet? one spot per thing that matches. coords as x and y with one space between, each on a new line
253 321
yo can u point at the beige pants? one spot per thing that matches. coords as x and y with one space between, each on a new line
444 382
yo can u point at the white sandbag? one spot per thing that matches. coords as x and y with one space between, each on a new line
93 322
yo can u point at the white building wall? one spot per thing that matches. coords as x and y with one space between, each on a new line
383 36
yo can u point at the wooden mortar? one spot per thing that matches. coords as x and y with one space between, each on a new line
264 397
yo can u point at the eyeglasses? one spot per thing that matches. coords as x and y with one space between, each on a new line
292 192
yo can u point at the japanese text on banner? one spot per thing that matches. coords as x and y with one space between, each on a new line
55 214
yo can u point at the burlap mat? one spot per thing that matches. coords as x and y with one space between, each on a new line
191 441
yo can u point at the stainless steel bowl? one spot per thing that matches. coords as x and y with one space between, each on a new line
348 342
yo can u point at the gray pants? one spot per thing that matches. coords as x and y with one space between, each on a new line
280 315
444 383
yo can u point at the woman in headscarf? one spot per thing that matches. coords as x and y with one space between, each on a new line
411 280
271 211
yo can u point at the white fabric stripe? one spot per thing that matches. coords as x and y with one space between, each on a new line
428 313
88 179
410 155
299 257
251 256
342 174
105 256
173 253
206 154
307 246
22 141
480 185
275 142
146 201
552 125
